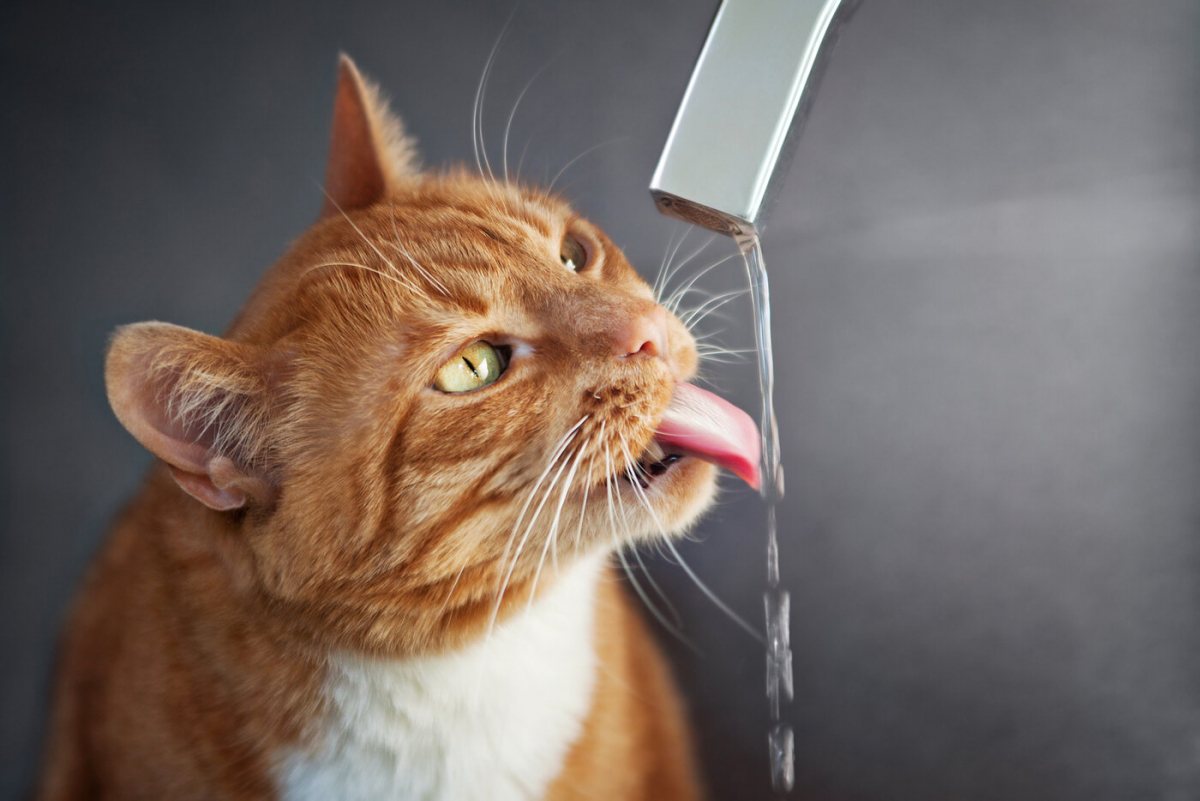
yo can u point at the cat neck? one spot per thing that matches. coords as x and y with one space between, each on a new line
494 719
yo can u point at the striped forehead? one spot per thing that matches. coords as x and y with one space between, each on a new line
458 241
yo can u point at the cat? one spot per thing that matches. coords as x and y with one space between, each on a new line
372 558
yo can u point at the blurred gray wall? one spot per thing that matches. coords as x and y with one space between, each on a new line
986 267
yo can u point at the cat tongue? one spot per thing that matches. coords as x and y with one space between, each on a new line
700 424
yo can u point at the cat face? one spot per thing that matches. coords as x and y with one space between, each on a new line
447 387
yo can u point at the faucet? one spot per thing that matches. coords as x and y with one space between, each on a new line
743 109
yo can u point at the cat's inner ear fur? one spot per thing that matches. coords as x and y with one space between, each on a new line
197 402
369 152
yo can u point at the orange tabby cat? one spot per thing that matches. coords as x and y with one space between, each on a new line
373 559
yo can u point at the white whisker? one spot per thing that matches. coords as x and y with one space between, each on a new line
552 538
364 267
372 245
512 114
734 616
587 486
428 276
481 156
453 587
618 546
688 258
688 286
591 149
558 451
694 316
670 259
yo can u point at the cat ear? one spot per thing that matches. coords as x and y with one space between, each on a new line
198 403
369 153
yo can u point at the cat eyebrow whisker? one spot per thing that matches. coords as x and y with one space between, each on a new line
481 156
426 274
569 164
380 273
513 113
399 275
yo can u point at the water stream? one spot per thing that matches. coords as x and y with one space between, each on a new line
776 601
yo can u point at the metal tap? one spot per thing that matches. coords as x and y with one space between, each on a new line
743 109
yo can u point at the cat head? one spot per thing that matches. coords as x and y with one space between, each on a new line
447 384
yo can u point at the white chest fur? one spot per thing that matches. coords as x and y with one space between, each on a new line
492 721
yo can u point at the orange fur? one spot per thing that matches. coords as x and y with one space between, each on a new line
315 494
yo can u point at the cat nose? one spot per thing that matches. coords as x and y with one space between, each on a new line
644 334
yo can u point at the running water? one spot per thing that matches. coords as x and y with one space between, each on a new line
776 601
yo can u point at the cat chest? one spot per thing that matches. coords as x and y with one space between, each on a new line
494 720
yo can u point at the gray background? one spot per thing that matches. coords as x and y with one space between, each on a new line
986 269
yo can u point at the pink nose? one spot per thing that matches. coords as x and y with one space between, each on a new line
643 334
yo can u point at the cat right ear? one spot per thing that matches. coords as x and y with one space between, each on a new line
197 402
369 153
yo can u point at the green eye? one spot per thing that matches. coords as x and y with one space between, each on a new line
572 254
475 366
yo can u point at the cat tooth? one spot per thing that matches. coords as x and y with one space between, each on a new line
653 453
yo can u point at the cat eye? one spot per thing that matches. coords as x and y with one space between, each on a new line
473 367
573 254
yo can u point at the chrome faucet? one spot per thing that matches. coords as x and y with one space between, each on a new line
743 109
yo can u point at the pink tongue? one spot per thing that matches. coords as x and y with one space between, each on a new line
703 425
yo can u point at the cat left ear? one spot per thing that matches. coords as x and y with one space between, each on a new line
369 152
197 402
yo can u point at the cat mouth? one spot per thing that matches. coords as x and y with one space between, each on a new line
654 463
699 424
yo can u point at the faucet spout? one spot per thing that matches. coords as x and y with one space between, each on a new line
743 109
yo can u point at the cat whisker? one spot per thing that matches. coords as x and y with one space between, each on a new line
450 592
552 537
689 285
524 152
558 451
657 288
709 335
619 545
722 355
481 156
559 447
403 278
689 258
694 316
587 486
570 163
632 469
724 350
667 270
512 564
513 113
712 596
426 274
380 273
